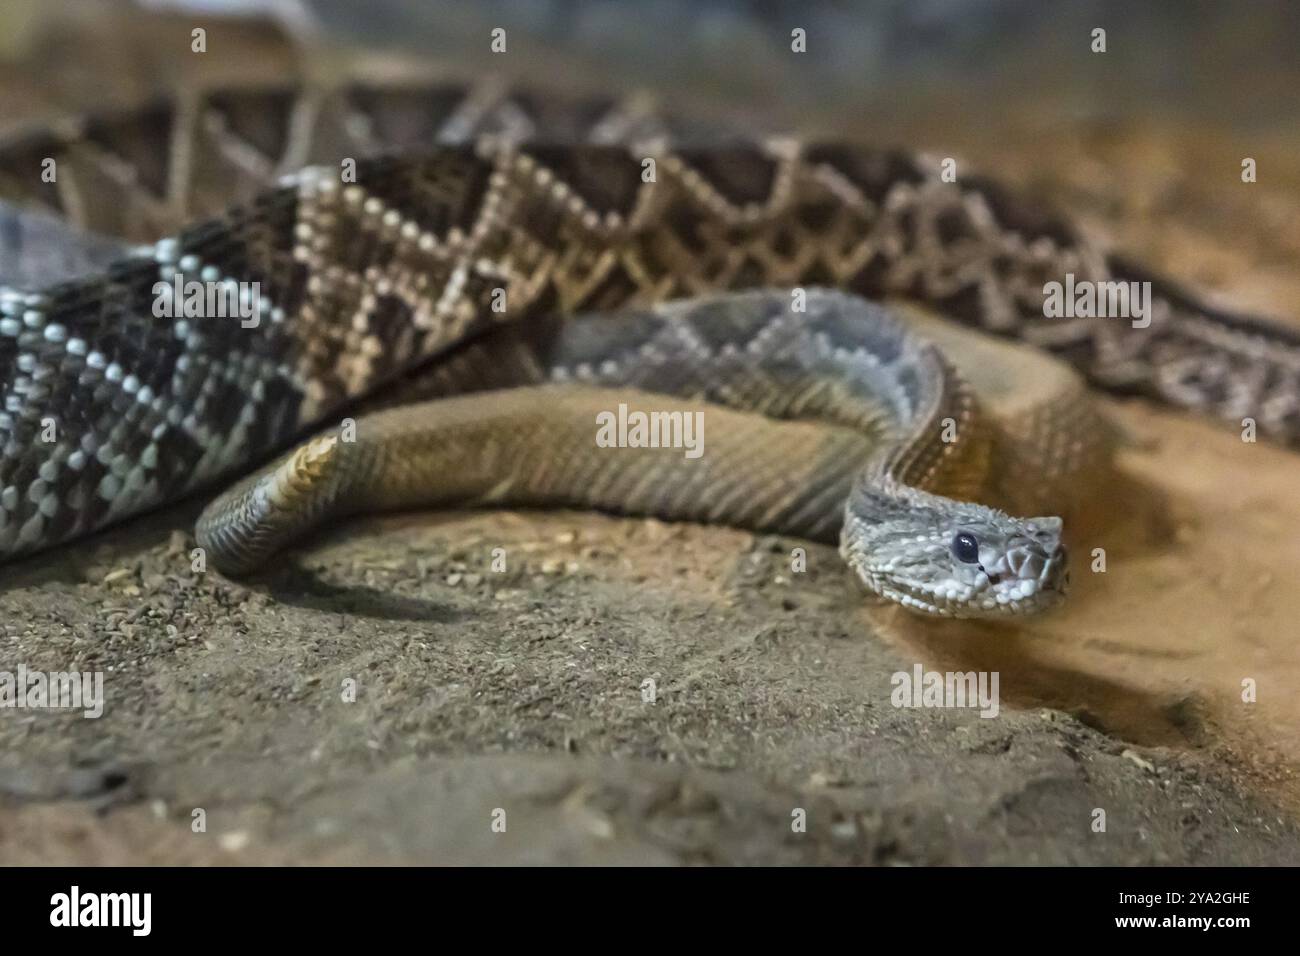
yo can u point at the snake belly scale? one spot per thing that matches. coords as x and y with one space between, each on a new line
112 406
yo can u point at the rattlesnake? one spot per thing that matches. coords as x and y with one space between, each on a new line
462 238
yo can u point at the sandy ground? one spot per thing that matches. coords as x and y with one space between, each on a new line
484 696
522 691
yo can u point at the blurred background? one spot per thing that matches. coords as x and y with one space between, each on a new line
989 61
1143 142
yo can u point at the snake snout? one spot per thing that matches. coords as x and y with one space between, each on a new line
1033 566
1045 563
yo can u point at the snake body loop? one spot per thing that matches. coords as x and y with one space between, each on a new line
883 472
117 398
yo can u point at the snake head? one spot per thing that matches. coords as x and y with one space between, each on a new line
960 560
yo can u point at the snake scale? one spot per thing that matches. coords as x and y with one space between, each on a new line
432 242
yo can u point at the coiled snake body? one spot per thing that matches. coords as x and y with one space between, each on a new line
116 400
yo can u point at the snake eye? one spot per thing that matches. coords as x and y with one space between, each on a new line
965 548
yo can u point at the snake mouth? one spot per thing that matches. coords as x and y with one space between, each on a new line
1027 578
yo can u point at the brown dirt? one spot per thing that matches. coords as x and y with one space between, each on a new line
521 690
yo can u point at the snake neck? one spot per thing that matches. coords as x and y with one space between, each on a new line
945 445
